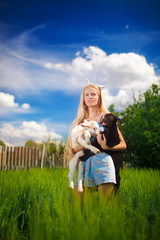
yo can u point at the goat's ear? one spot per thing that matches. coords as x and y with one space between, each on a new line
85 123
118 119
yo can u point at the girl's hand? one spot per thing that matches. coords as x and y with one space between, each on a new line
78 148
119 147
102 142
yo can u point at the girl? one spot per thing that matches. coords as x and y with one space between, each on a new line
99 169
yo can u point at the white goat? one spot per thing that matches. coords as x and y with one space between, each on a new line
81 134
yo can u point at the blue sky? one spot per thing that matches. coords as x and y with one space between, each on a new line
49 48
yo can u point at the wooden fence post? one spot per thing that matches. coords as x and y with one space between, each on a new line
26 158
32 158
39 159
19 157
29 157
0 157
36 157
12 158
64 162
53 160
4 158
15 155
50 161
23 157
46 160
8 153
42 159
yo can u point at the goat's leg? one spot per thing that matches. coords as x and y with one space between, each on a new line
87 137
72 168
80 176
90 147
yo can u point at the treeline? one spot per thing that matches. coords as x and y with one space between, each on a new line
141 129
51 146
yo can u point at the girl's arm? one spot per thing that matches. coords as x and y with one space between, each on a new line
119 147
77 149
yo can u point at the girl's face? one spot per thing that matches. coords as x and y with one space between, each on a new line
91 97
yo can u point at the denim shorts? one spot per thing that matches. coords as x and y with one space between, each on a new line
99 169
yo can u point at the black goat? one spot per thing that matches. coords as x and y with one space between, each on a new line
109 122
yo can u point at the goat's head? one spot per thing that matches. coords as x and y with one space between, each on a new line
109 120
92 127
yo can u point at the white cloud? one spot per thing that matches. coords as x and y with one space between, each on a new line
120 73
22 70
8 105
120 100
7 100
115 70
25 106
18 135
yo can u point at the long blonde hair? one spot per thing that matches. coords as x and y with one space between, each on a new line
81 115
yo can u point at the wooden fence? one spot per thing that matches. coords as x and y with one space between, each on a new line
25 157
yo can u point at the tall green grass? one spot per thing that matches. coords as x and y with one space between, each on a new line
37 204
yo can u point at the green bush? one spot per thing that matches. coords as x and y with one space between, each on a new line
141 129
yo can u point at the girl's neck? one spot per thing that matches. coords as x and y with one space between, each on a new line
93 114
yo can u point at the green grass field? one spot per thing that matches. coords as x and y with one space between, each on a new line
37 204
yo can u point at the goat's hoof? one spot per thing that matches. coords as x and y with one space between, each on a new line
80 189
97 151
71 185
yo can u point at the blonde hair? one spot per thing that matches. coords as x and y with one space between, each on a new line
81 115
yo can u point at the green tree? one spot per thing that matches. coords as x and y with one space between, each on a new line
141 129
53 148
61 147
30 143
112 109
50 146
2 143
